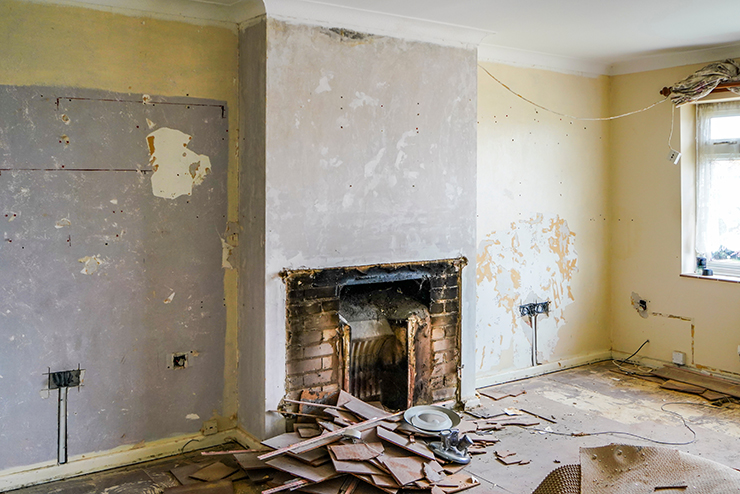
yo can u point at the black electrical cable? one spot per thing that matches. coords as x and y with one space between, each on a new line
624 361
182 450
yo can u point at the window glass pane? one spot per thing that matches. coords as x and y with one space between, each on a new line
724 128
723 218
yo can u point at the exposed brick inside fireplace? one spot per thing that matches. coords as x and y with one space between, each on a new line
313 343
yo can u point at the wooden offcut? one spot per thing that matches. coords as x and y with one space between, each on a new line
683 387
403 442
323 440
297 468
713 383
356 452
359 407
405 470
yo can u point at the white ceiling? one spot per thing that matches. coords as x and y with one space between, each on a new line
590 36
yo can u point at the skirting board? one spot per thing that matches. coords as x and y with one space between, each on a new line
539 370
656 363
40 473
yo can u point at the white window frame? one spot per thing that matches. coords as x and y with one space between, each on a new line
689 184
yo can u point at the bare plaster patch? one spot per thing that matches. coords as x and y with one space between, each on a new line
640 305
402 141
363 99
176 168
192 416
91 264
324 86
331 163
533 259
373 163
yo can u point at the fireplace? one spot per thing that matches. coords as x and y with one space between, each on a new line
389 333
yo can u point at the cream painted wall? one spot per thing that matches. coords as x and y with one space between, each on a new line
542 219
83 48
647 239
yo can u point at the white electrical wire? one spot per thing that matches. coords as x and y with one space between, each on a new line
565 114
670 136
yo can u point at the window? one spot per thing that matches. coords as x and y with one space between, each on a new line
718 186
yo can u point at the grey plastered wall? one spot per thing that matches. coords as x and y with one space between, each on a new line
370 158
252 363
76 184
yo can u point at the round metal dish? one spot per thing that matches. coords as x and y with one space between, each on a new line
431 418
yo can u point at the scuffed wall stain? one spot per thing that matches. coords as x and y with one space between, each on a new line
176 168
347 35
533 259
91 264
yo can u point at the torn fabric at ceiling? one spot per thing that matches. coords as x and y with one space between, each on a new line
704 81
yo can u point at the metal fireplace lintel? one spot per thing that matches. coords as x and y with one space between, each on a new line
375 273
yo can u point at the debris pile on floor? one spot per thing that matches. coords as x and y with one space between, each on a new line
712 388
355 447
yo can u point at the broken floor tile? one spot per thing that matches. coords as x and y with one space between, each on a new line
213 472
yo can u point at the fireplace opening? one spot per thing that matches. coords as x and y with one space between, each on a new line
385 330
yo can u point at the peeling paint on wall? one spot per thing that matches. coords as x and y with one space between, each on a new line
229 242
534 258
176 168
91 264
226 251
62 223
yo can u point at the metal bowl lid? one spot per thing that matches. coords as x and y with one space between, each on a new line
431 418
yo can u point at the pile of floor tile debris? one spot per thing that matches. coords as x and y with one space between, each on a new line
355 447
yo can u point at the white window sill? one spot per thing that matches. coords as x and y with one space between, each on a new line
716 277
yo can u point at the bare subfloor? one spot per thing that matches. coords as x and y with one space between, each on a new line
588 399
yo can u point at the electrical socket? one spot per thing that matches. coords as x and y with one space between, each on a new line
679 358
210 427
673 156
